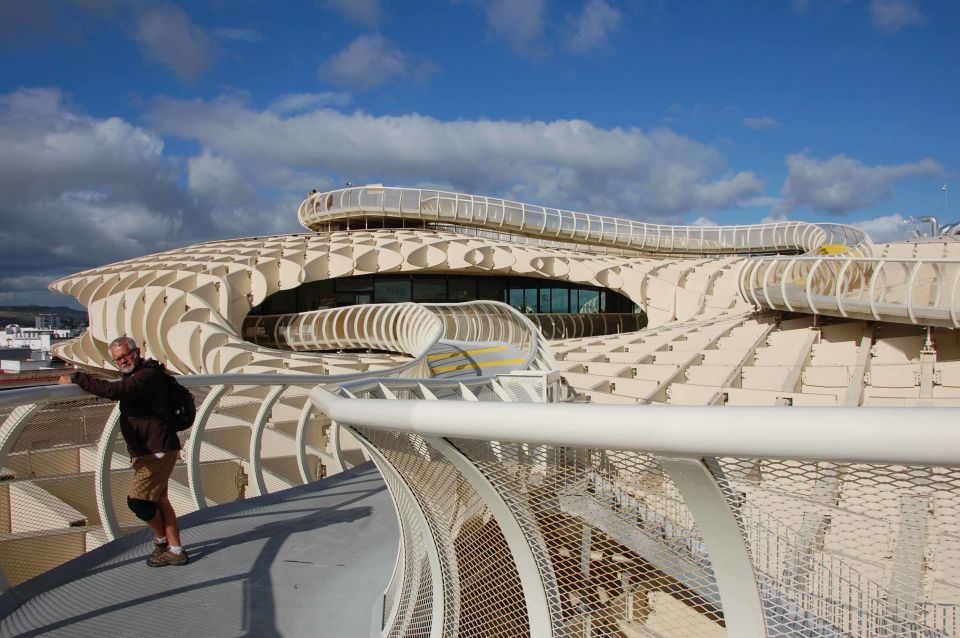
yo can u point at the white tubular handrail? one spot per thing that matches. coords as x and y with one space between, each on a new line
59 426
495 321
852 435
902 290
712 524
437 206
408 328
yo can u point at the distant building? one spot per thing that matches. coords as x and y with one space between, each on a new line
47 322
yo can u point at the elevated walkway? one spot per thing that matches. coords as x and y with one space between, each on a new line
453 359
312 560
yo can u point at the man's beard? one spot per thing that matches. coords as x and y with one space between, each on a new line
127 369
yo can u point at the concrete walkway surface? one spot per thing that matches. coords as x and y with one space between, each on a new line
310 561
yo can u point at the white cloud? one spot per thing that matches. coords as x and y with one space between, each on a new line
368 61
569 163
886 228
591 28
842 185
761 123
363 12
166 34
217 178
299 102
520 23
703 221
238 35
892 15
77 191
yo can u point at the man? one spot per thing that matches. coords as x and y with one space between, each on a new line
151 441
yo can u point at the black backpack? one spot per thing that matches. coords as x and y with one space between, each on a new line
183 409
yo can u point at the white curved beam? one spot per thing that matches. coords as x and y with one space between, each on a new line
729 557
256 436
104 495
536 591
195 442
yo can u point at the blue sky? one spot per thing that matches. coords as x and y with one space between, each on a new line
129 127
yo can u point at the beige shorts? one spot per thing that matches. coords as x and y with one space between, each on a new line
151 475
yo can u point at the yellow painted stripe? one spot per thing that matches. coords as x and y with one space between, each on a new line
460 353
481 364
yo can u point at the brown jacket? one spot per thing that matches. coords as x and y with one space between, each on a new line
143 406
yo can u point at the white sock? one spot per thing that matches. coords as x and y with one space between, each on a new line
175 550
161 541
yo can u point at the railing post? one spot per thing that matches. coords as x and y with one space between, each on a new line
535 593
256 436
194 442
699 484
108 516
430 545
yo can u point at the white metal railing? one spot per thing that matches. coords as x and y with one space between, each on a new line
458 452
553 223
918 291
413 329
800 586
59 434
405 328
66 469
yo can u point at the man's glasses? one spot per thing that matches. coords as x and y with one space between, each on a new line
126 357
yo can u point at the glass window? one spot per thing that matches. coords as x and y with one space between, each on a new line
363 283
588 301
560 301
392 290
544 300
463 289
429 289
530 299
516 298
526 294
346 299
493 288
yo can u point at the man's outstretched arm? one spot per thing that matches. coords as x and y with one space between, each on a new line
130 386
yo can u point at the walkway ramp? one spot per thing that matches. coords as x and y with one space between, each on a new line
453 359
312 560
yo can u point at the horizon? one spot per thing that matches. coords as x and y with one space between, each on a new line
153 126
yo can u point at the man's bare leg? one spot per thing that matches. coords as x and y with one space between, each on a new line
156 524
166 521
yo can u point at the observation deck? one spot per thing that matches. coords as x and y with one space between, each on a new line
308 560
733 469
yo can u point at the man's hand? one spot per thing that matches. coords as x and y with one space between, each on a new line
64 380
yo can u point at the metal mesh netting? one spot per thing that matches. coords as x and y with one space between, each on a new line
48 500
221 475
851 550
278 447
408 600
620 551
73 423
483 594
48 511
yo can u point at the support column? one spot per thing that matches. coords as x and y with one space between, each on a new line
729 558
534 588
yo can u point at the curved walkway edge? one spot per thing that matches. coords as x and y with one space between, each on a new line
311 560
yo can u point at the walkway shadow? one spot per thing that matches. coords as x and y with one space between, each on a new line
258 600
